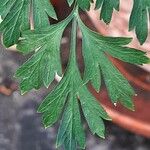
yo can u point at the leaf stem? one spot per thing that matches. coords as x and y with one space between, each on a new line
73 41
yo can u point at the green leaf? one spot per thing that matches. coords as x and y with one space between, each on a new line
70 2
96 49
83 4
8 4
16 17
53 104
45 63
41 10
71 93
107 7
38 70
72 87
42 38
71 131
118 87
93 112
139 19
15 13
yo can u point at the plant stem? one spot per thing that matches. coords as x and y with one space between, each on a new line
73 42
72 58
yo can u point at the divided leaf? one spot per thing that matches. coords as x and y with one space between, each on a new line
70 90
139 19
16 17
107 7
71 93
83 4
8 4
96 49
71 132
45 63
93 112
41 10
53 104
70 2
38 70
118 87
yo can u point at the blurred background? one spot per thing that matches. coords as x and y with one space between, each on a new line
20 125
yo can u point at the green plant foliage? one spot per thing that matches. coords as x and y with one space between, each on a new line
83 4
71 96
107 7
72 87
16 17
139 19
45 63
71 133
96 48
70 2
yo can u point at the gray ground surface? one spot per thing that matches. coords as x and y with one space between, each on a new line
21 128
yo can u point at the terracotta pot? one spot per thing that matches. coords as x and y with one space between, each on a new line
138 121
62 8
55 2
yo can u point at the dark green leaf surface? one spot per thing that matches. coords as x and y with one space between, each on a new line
39 70
107 7
83 4
95 48
70 2
41 10
72 87
93 112
45 63
71 93
71 132
139 19
16 16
